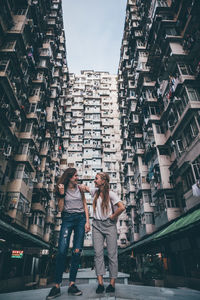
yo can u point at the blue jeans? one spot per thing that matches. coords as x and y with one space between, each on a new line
70 222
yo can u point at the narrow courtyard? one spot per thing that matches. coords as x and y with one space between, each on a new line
100 124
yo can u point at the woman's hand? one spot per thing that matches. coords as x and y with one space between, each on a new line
84 188
112 217
61 189
87 227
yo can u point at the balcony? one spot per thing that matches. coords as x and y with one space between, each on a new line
139 151
128 160
191 106
148 208
174 53
8 81
27 136
19 28
20 186
6 18
130 189
38 207
150 118
131 203
21 219
36 230
44 151
40 79
25 158
49 219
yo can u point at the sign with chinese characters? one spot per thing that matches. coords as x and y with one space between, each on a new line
17 254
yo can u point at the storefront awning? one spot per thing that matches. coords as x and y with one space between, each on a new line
183 223
12 231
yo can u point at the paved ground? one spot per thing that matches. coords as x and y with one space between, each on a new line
122 292
88 276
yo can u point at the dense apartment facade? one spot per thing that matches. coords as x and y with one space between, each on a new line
33 82
160 107
91 137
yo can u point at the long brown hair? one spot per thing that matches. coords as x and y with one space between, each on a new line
105 199
65 178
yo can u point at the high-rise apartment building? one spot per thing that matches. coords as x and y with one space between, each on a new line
33 82
91 134
159 100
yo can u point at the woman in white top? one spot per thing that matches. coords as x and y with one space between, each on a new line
104 227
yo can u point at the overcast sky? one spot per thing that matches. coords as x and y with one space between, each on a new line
93 30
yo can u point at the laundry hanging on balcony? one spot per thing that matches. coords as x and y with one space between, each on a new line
196 189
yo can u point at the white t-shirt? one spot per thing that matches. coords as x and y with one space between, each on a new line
98 214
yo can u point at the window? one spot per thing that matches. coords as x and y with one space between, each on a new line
180 107
9 45
180 146
171 121
147 197
198 117
42 63
23 148
188 180
159 129
142 66
19 171
26 176
132 93
162 3
20 11
139 145
143 54
154 110
193 94
190 132
148 94
32 107
171 31
163 151
138 32
47 229
144 179
196 167
28 127
23 204
170 200
149 218
140 43
184 69
143 162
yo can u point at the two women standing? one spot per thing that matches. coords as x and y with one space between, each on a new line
75 217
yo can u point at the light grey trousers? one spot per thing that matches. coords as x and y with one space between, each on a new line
101 231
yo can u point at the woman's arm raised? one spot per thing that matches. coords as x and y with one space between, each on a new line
84 188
